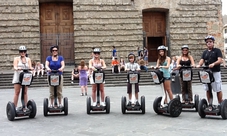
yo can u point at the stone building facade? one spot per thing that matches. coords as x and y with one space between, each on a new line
78 25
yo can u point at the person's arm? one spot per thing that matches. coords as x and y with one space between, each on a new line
30 64
157 65
103 64
15 62
62 66
192 61
47 65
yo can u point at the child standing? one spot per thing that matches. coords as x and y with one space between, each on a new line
132 66
83 77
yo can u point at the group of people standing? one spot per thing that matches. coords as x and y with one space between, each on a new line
211 57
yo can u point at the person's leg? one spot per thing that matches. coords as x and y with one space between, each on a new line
167 86
190 94
16 93
26 96
182 89
102 92
85 88
82 90
93 94
38 72
59 91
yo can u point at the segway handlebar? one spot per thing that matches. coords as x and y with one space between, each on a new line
54 71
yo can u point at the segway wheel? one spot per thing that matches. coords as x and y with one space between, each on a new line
10 111
175 107
224 109
196 101
107 100
156 105
123 104
88 105
201 107
32 107
143 104
66 106
45 107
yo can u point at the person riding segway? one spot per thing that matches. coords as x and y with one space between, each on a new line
55 65
211 77
22 79
162 76
97 65
133 78
185 63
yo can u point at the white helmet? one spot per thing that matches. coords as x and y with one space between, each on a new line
97 50
22 48
162 47
184 46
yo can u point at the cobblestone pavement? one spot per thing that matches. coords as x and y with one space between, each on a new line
113 124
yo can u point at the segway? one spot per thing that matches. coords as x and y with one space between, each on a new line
174 107
186 75
54 80
99 78
208 108
25 79
133 78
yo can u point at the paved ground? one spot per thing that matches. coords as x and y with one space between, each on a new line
113 124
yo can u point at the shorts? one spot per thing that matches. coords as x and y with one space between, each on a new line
129 88
216 85
167 78
145 58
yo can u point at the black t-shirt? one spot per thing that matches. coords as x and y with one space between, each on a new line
210 57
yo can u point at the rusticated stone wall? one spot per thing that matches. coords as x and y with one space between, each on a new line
104 23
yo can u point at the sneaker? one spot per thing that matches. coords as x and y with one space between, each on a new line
103 104
129 103
18 108
60 105
86 94
82 94
25 109
137 103
72 82
94 104
51 106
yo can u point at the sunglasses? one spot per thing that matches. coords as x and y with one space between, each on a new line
54 50
209 41
184 50
22 51
96 52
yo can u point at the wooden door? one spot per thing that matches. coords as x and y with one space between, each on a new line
56 27
154 24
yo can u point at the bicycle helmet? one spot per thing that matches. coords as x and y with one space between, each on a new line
96 50
162 47
131 54
209 37
184 46
54 46
22 48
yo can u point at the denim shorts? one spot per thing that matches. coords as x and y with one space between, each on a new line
167 78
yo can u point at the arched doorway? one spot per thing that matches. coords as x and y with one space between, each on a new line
56 28
154 24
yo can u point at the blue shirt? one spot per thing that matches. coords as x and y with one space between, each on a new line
55 65
114 52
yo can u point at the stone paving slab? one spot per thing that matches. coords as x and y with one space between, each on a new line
113 124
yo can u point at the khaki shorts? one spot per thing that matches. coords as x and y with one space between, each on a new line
216 85
59 89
